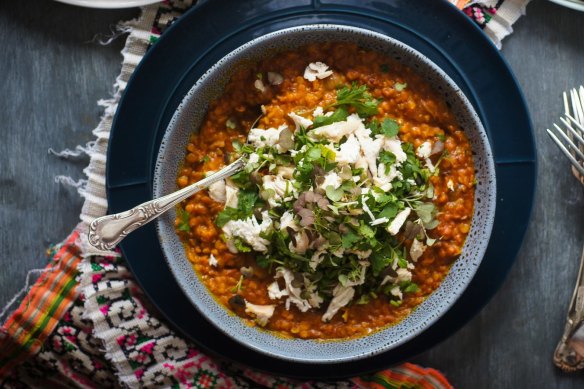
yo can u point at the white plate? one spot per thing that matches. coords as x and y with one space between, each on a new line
109 3
574 4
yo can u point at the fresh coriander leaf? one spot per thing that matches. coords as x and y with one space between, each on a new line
226 216
303 172
389 127
314 153
374 126
359 98
400 87
242 179
241 246
441 137
381 259
411 288
245 204
245 201
387 158
395 303
263 261
402 263
347 185
349 239
339 115
366 231
390 211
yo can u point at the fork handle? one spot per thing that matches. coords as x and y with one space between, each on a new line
107 231
565 357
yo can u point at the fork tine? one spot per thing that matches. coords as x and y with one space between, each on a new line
574 132
577 106
564 150
570 143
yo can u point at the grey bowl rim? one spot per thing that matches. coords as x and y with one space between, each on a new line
489 160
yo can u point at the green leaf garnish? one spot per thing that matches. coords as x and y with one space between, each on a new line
245 204
334 194
389 127
184 220
400 87
359 98
339 115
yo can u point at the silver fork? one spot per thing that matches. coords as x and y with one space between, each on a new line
569 354
573 134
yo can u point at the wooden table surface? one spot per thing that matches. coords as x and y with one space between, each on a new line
54 71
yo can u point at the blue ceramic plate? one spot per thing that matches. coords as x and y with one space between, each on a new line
190 115
207 33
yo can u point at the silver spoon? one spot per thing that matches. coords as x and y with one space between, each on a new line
108 231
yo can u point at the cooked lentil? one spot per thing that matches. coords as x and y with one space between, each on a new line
422 116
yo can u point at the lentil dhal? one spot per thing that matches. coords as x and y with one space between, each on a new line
299 82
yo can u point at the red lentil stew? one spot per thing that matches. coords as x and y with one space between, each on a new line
356 199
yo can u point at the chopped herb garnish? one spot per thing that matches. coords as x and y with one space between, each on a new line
245 204
359 98
239 286
339 115
411 288
183 220
230 123
399 86
303 209
389 128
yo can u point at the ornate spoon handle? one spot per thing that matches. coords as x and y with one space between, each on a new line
565 356
107 231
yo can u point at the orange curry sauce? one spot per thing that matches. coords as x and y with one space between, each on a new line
422 115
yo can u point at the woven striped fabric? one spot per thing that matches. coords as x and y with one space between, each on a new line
48 312
28 327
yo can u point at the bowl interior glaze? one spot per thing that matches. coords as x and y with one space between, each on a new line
188 118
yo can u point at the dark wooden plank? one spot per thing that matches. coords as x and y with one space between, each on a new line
53 73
